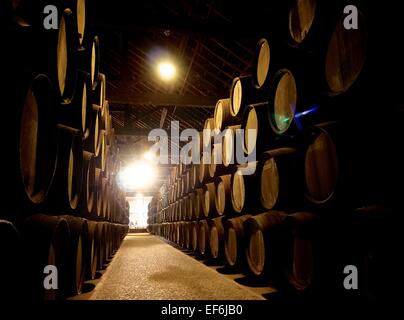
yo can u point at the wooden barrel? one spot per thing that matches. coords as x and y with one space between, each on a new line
102 155
31 143
66 189
261 64
302 231
51 52
179 169
11 251
79 254
193 177
92 142
89 59
321 168
223 195
174 212
88 196
93 250
203 171
100 192
105 200
99 92
107 243
244 195
235 241
194 236
223 116
334 56
77 113
185 208
209 208
199 201
180 210
346 55
179 187
185 183
188 234
216 238
242 94
46 242
231 144
101 254
191 204
95 62
208 132
66 59
301 17
282 101
203 238
79 9
181 234
265 244
257 136
105 120
216 163
281 179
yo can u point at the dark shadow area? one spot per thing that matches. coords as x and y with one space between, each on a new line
227 270
251 282
87 287
213 263
98 275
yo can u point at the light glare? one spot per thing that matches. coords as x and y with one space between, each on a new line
166 70
136 176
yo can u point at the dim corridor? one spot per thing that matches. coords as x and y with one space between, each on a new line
145 267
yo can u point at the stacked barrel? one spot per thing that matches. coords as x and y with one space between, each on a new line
62 207
308 201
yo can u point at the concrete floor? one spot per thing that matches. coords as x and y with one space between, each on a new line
147 268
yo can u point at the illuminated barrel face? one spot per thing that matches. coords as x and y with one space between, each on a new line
301 17
264 59
283 102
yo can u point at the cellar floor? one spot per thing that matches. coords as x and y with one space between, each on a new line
146 267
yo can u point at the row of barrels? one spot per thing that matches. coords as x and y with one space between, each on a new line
291 155
297 252
63 156
329 155
64 208
77 247
324 175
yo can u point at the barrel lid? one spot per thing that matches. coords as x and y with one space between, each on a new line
236 96
256 252
238 191
262 62
301 17
231 247
221 197
251 131
346 56
284 101
228 143
302 266
95 62
214 241
321 168
218 117
269 184
81 18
